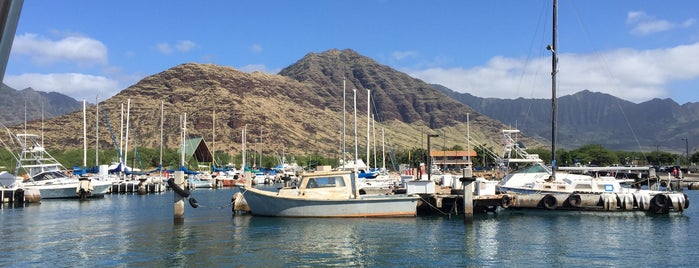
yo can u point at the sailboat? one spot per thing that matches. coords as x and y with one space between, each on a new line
357 164
553 189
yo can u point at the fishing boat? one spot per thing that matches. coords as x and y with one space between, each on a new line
327 194
48 176
544 187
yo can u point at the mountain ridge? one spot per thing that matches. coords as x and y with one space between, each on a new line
606 120
19 105
281 114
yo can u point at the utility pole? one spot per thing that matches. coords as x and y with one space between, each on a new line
686 145
429 159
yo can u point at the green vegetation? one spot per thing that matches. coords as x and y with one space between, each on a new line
593 154
148 159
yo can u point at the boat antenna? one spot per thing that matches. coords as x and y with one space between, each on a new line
554 62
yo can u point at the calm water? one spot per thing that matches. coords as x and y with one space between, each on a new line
134 230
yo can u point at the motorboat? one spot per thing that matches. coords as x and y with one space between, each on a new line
47 175
327 194
196 181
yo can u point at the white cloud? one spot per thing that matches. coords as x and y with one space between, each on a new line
181 46
644 24
80 50
399 55
185 45
256 48
75 85
164 48
688 23
634 75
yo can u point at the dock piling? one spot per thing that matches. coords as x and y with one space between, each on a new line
179 200
467 183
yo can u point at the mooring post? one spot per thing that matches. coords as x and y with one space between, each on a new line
466 183
179 200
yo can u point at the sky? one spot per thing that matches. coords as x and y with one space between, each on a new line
635 50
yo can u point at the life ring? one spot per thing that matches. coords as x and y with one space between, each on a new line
505 201
182 192
574 200
193 202
549 202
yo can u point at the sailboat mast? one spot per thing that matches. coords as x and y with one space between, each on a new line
554 70
356 149
97 131
213 139
184 136
121 138
373 131
368 124
84 133
162 112
126 139
344 117
383 149
243 138
42 121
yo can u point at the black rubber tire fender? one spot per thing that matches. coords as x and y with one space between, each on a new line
575 201
505 201
182 192
549 202
661 201
193 202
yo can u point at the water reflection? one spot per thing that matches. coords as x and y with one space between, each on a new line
133 230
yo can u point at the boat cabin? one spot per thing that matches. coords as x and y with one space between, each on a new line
323 185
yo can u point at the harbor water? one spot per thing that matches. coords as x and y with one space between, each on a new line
124 230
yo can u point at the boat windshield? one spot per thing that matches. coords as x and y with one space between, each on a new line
533 169
49 176
325 182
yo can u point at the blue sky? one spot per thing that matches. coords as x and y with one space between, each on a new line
635 50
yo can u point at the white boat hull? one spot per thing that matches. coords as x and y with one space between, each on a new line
265 203
68 189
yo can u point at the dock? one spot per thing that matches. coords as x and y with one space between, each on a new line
19 196
140 186
445 200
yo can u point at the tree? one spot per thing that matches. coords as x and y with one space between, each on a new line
544 154
594 154
694 158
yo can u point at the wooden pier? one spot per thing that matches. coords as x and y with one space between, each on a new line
19 195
